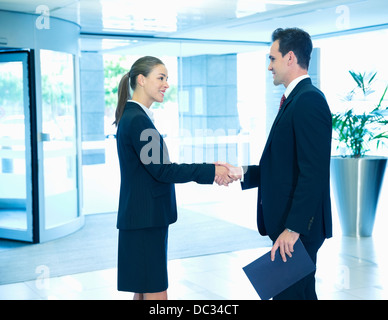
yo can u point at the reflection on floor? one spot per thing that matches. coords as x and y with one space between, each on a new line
13 219
347 268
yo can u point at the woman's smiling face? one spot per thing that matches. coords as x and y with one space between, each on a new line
155 84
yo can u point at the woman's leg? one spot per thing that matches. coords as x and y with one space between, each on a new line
156 296
138 296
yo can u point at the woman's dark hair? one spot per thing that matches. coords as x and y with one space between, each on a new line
142 66
297 41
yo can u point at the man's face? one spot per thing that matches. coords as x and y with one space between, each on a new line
278 65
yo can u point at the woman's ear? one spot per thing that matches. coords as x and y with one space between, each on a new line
140 80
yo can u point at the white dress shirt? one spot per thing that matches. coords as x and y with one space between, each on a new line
293 84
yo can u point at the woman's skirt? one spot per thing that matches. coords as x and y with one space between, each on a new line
142 260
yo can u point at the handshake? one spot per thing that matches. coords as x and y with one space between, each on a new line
226 173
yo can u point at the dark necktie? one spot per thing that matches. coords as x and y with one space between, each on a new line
282 101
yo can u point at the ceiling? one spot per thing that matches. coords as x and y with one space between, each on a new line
116 25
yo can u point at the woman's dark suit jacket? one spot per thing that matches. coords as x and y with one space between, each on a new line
293 173
147 193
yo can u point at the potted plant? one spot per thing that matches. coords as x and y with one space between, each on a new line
356 177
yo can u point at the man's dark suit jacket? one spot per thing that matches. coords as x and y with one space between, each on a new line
147 192
293 173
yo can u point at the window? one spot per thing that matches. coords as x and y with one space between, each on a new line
213 110
360 52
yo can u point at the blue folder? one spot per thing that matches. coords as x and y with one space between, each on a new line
272 277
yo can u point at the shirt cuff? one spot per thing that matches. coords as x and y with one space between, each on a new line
242 174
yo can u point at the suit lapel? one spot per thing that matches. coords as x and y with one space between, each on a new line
165 158
279 115
281 111
286 103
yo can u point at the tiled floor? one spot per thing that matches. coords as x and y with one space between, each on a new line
347 269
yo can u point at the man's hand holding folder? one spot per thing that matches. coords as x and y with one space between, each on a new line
285 242
269 278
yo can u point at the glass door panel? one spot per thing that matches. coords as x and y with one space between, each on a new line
59 139
15 148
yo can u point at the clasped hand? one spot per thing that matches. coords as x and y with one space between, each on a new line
226 173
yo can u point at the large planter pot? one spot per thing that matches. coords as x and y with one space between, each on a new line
356 186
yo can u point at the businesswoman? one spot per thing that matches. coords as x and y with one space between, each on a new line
147 203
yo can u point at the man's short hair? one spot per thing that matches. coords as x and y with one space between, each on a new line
297 41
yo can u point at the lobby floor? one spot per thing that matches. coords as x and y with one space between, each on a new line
347 268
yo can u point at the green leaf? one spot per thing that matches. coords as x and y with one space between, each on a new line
357 130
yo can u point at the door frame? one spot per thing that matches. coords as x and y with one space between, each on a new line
31 234
36 231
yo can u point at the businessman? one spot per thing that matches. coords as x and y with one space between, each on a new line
293 174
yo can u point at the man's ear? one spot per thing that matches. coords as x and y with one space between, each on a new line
292 58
